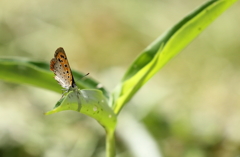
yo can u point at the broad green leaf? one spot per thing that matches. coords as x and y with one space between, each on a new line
91 102
38 74
168 45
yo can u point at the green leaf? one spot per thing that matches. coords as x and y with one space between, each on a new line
38 74
168 45
92 102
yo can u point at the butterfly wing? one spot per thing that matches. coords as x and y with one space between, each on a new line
61 68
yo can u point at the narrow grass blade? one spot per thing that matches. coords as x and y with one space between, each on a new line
168 45
37 74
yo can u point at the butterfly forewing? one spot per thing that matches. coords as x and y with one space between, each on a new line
60 66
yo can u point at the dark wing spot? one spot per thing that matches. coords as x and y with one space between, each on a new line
60 60
65 65
63 72
67 72
62 56
68 76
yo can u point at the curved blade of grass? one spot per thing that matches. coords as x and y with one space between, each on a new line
38 74
93 104
168 45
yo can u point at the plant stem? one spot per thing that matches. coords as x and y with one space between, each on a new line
110 143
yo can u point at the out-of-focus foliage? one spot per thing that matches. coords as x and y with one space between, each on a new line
191 107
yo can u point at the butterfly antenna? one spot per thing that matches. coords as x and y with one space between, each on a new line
85 75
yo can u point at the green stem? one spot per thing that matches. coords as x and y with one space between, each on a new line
110 143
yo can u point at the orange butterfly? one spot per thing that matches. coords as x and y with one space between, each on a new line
61 68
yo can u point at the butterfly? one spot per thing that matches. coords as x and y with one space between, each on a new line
63 73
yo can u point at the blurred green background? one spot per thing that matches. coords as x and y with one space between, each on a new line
190 108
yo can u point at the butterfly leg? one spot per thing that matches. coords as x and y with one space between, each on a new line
65 91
